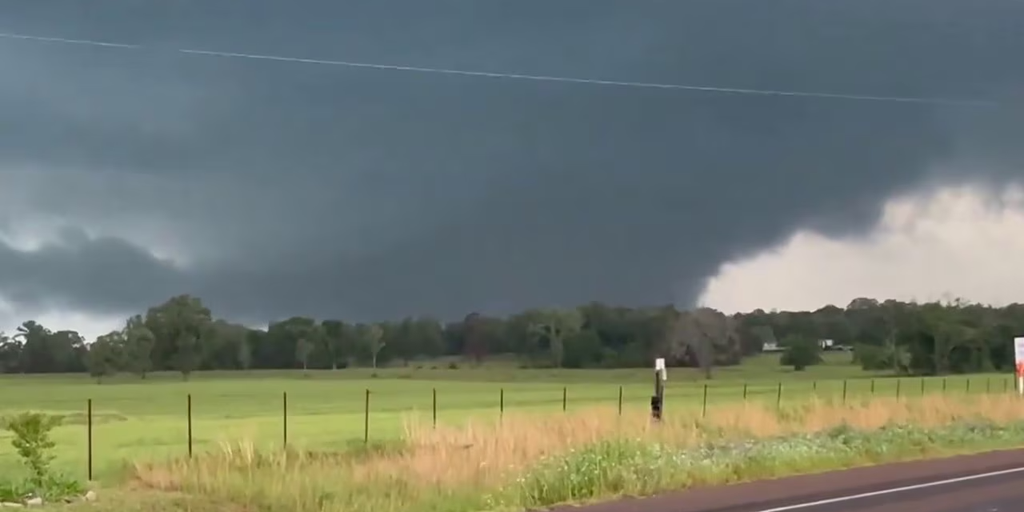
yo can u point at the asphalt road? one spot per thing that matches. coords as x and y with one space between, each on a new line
990 493
991 482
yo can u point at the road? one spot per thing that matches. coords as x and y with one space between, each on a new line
991 482
989 492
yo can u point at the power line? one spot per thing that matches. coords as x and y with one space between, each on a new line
519 76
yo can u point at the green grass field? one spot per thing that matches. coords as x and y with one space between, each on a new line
135 419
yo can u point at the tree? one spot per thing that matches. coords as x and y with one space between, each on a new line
371 338
893 336
400 339
429 336
474 343
10 354
179 326
67 351
244 353
305 334
337 340
801 352
303 347
35 347
138 343
582 349
221 345
105 357
553 328
872 358
703 336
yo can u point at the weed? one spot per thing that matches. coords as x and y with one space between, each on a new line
33 444
13 491
32 441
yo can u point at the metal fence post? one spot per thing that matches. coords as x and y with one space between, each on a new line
88 421
366 419
190 425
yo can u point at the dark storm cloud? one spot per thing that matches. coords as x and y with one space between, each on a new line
310 189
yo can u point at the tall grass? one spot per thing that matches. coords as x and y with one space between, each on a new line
540 459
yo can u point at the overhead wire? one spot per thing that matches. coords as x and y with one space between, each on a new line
516 76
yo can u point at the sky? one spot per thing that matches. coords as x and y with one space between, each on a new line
936 245
276 187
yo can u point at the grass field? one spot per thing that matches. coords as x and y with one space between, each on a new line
532 461
147 420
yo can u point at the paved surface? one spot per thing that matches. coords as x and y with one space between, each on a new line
991 482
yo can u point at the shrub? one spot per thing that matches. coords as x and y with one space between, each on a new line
33 444
801 353
32 441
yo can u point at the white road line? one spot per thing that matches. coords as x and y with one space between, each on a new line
894 490
519 76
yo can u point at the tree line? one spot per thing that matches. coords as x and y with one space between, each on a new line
183 335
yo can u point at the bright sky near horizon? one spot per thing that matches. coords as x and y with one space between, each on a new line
964 241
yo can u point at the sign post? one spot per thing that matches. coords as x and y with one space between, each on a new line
658 399
1018 356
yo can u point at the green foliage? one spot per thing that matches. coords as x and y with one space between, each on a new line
181 326
182 335
33 444
106 355
639 467
370 338
872 358
583 349
13 491
31 440
800 353
887 357
551 329
138 342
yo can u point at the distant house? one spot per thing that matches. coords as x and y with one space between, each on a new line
832 345
825 344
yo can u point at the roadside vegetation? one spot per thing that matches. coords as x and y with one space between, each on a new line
527 461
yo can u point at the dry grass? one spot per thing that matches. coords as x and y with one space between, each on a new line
464 461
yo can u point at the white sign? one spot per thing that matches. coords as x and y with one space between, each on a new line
659 366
